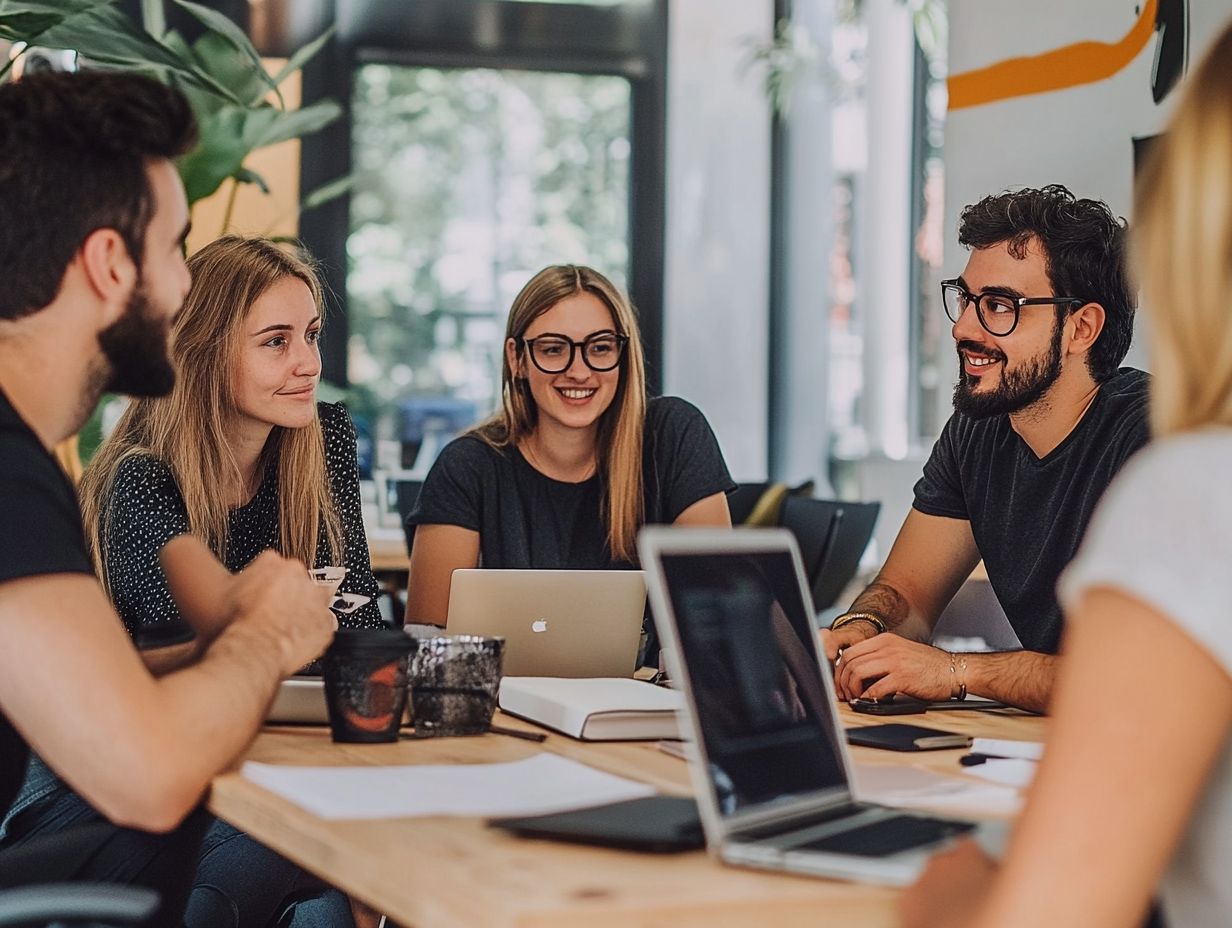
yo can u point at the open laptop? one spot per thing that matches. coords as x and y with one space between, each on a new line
556 623
771 768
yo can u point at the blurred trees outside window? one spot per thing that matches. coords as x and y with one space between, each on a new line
467 182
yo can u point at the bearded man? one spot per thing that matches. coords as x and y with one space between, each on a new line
1044 418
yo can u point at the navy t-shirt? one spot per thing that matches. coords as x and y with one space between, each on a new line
40 533
1028 514
528 520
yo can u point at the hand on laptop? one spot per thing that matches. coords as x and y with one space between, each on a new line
888 663
950 890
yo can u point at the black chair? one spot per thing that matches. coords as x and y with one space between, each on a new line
832 536
760 504
812 522
76 905
849 537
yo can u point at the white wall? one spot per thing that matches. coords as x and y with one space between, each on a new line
716 286
1081 136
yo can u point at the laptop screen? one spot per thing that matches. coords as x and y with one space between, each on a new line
749 648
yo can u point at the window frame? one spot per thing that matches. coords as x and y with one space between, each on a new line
626 41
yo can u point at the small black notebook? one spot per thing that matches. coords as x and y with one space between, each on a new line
654 823
898 737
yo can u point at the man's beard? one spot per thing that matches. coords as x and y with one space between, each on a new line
1019 388
135 346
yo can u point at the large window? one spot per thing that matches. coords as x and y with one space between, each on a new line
487 139
469 180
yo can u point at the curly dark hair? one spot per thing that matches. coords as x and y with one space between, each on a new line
73 153
1084 248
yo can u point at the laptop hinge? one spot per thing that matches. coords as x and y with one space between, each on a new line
797 821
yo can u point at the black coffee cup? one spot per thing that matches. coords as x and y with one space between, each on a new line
365 683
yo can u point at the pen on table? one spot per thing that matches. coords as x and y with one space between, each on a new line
517 733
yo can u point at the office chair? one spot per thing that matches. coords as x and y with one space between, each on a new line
759 504
849 536
76 905
812 521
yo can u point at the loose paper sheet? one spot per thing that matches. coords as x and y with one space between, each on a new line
538 785
918 788
1002 747
1010 771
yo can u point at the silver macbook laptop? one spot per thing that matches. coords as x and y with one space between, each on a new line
299 700
771 768
556 623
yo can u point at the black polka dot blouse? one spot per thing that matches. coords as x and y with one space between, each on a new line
149 512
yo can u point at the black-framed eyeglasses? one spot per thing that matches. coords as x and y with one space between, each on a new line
998 313
554 354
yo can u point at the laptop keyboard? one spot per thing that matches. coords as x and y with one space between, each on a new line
888 836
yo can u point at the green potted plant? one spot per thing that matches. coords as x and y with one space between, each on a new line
237 101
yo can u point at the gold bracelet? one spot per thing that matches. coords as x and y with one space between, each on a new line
957 663
848 617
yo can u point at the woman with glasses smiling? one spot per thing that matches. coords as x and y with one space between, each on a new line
576 460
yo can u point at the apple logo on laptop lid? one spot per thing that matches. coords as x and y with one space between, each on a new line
539 625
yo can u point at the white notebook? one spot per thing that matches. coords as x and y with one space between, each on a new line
595 708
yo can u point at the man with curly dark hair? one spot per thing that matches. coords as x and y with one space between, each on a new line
1044 417
93 221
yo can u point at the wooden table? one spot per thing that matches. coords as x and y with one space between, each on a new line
388 552
457 873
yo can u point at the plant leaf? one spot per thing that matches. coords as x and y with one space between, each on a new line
304 55
21 27
327 192
103 34
154 17
247 176
219 154
298 123
216 55
217 22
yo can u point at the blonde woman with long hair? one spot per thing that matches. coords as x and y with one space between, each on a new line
242 455
1135 789
576 460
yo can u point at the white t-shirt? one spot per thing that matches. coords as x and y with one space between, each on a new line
1163 534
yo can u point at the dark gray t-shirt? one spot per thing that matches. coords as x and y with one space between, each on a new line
40 533
528 520
1028 514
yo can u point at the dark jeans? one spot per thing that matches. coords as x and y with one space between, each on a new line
101 851
241 883
238 882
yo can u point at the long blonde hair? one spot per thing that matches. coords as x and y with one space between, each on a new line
619 441
1182 244
187 430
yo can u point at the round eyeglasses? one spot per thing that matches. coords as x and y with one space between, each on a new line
553 354
998 313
